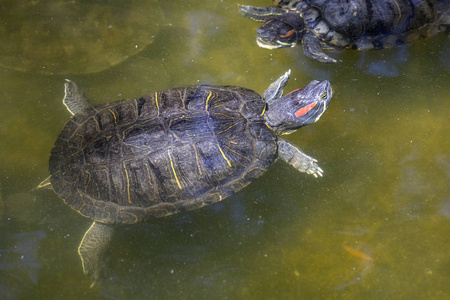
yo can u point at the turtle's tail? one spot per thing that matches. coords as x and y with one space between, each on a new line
44 185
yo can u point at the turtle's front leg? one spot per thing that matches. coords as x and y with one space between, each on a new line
93 247
275 90
296 158
260 14
313 49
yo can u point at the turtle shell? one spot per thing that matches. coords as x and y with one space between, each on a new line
159 154
375 24
74 37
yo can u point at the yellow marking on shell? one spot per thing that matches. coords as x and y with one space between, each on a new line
176 119
114 115
98 191
82 139
156 101
135 217
148 173
108 181
238 154
207 100
181 97
227 128
223 154
198 161
256 169
150 182
128 184
173 170
264 110
78 210
89 180
219 105
399 11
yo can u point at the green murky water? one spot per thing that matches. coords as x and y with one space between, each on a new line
383 144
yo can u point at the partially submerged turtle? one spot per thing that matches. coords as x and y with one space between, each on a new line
338 24
74 37
172 151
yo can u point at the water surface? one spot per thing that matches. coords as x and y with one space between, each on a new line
377 225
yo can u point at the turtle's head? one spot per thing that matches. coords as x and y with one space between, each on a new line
281 31
299 108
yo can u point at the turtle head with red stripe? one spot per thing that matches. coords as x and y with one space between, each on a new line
299 108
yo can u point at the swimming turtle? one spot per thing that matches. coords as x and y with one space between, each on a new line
338 24
172 151
74 37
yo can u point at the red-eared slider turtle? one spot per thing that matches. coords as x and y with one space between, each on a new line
172 151
338 24
74 37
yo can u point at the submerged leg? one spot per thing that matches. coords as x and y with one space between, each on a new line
260 14
313 49
275 90
93 247
296 158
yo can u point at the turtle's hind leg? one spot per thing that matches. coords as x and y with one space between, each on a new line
93 247
74 98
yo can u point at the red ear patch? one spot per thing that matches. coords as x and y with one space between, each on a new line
294 91
304 110
290 32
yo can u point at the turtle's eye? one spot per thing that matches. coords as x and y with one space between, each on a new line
324 96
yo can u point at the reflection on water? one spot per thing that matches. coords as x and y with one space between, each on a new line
383 145
74 37
445 209
384 67
19 263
